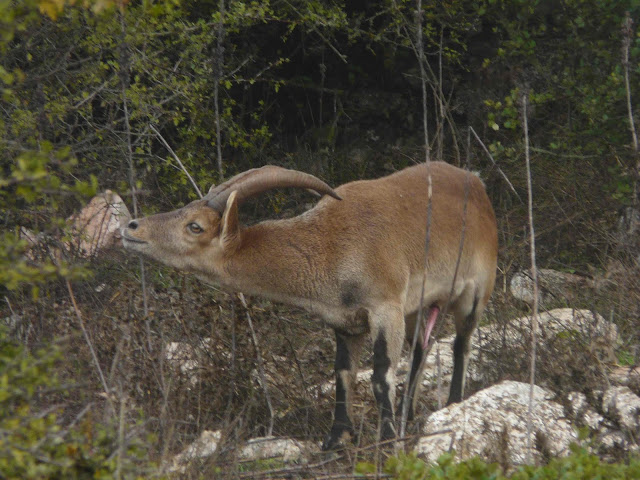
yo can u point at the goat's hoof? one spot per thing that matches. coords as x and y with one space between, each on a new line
388 431
338 439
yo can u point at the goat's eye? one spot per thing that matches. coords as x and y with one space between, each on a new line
194 228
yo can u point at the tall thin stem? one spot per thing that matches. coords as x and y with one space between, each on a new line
534 276
423 78
219 64
441 120
486 150
263 377
177 159
627 33
420 57
124 82
94 356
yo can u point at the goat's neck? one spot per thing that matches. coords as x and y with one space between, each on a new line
283 260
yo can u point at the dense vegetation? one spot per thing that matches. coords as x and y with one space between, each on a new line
91 90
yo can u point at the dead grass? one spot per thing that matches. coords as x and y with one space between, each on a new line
224 393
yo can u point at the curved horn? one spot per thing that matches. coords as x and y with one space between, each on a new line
258 180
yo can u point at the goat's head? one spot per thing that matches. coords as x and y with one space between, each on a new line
206 231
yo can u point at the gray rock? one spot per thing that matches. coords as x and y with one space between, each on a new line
97 226
552 285
586 323
582 411
623 406
187 358
625 375
204 447
286 449
93 229
493 423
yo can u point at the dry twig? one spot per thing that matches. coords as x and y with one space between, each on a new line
124 81
263 377
486 150
534 276
419 54
627 35
175 157
219 63
91 349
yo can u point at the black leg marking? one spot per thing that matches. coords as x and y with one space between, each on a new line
457 378
381 389
342 426
461 346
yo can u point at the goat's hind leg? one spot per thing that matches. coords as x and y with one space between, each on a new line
467 312
387 332
417 365
348 348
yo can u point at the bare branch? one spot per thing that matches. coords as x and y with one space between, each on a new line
626 43
91 349
534 276
341 56
627 34
121 436
216 86
486 150
175 157
423 78
263 378
420 56
88 98
124 80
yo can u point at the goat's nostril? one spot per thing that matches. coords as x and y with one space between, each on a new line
133 224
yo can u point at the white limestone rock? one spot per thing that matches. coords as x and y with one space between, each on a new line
97 226
187 358
552 285
580 409
602 334
625 375
262 448
205 446
623 406
494 422
286 449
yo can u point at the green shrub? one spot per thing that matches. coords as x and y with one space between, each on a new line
580 465
34 443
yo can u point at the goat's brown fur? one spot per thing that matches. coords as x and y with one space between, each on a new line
361 257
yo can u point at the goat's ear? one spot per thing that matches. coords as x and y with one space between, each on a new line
230 236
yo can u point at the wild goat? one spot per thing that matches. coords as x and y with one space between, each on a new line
357 259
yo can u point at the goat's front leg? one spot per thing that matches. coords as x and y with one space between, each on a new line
387 331
348 349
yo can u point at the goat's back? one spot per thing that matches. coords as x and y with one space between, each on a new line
380 226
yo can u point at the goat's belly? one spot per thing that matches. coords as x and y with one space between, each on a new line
436 293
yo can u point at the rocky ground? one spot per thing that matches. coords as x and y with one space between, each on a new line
496 423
